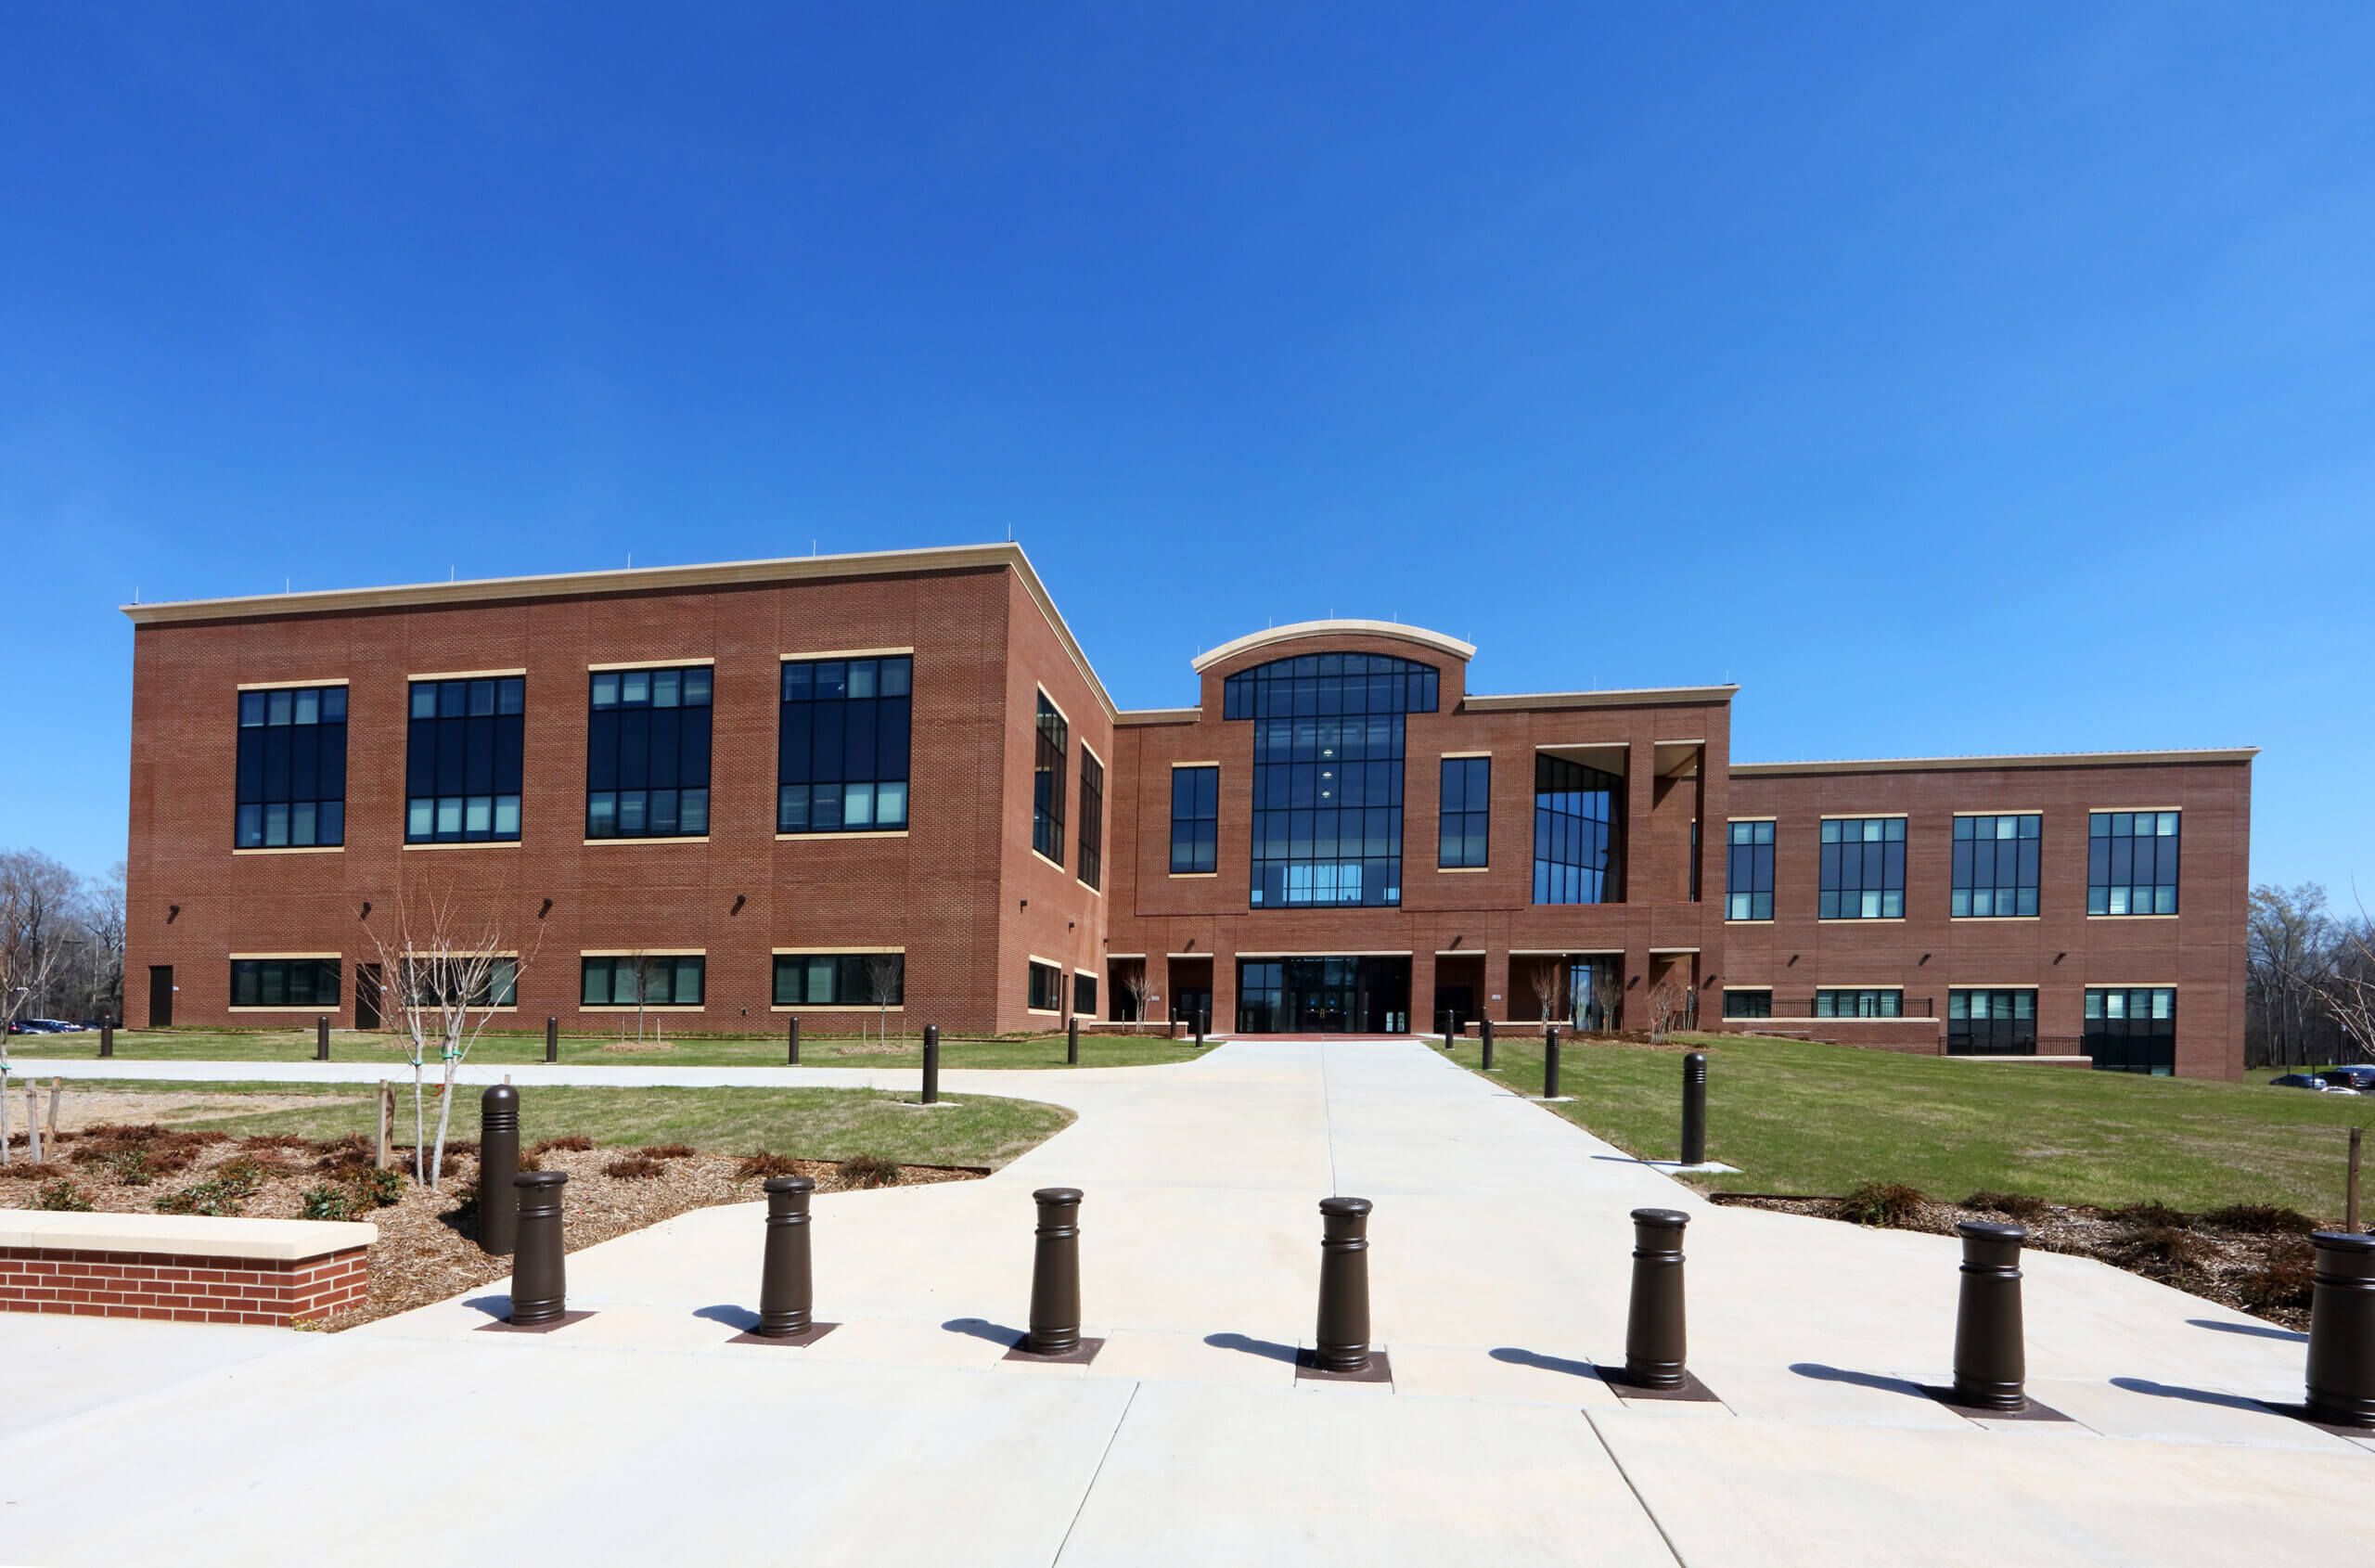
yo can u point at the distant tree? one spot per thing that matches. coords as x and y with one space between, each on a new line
2291 949
883 973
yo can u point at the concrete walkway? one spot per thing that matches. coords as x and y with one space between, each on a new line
1500 1251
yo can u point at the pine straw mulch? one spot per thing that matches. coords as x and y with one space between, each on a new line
2249 1257
428 1247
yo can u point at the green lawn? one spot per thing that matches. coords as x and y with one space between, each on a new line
297 1045
809 1123
1807 1118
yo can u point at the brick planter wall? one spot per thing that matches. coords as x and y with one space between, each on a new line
183 1289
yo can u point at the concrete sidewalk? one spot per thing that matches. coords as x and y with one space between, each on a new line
1500 1258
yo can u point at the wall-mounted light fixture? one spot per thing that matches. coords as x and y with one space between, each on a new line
173 913
739 900
546 910
367 911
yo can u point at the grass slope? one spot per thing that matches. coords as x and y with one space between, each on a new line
1802 1117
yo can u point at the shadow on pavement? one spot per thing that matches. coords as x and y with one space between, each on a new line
1822 1373
2256 1331
1269 1348
1535 1358
2197 1396
733 1317
983 1329
494 1306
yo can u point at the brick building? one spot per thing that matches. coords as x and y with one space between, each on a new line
723 795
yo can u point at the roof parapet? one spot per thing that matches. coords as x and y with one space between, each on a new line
2025 759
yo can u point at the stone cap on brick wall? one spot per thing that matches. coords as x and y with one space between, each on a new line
278 1240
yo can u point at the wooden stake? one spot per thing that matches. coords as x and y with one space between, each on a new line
57 1085
2350 1188
33 1120
387 1116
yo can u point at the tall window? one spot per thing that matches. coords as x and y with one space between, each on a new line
2132 863
1576 837
1863 868
1996 867
646 753
652 980
1328 745
841 745
1748 872
462 760
1047 782
1085 994
1047 991
1091 818
1992 1023
284 983
1869 1002
1464 835
2133 1029
291 785
840 980
1194 818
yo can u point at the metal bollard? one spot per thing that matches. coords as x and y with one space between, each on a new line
106 1037
1654 1340
1055 1273
321 1039
791 1042
932 1064
2342 1331
1341 1341
1072 1042
787 1284
1991 1365
1484 1033
552 1038
1694 1108
539 1279
498 1165
1199 1028
1550 1062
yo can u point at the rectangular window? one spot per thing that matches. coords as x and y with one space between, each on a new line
1085 994
285 983
1863 868
1463 836
841 745
840 980
1869 1002
427 982
1995 865
2132 863
290 788
1576 810
652 980
1194 818
1748 872
1748 1002
2133 1028
646 753
1046 988
1047 782
464 742
1992 1023
1091 818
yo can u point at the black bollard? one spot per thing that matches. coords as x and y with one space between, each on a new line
1550 1062
106 1037
1055 1273
1694 1108
932 1064
1342 1343
1485 1033
1653 1326
791 1042
2342 1331
1072 1042
787 1284
552 1038
321 1039
539 1279
1200 1029
1991 1365
498 1164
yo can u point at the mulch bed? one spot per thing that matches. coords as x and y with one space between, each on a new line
2252 1258
427 1248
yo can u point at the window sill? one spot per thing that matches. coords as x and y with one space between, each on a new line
292 1007
1996 919
1045 1012
1045 861
1195 876
474 843
2132 916
844 833
647 1007
1748 920
1908 1018
652 839
293 849
839 1007
1461 871
1859 920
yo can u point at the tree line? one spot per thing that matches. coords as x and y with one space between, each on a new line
61 940
2310 991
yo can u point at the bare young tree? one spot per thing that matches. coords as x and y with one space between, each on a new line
451 972
884 971
1135 986
1546 977
1669 1004
2347 994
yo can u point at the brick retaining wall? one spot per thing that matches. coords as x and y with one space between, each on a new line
180 1287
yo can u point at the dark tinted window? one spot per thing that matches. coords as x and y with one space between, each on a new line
646 753
1051 748
1995 865
1576 836
840 980
1194 818
463 758
2132 863
291 791
659 980
1463 836
1863 868
284 983
841 745
1748 872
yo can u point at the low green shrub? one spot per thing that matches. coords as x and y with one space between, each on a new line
63 1196
868 1170
1880 1202
326 1202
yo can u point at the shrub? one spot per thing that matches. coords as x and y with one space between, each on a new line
667 1152
1881 1202
759 1163
131 1167
223 1193
63 1196
572 1142
48 1170
291 1142
2021 1206
326 1202
635 1168
2283 1280
868 1170
2164 1248
377 1189
2152 1215
2259 1219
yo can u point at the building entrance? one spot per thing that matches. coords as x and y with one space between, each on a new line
1323 995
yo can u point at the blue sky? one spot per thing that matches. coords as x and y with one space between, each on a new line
1957 379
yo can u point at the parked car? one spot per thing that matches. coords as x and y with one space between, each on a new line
57 1026
2300 1081
2360 1078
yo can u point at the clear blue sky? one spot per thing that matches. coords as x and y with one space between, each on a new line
1958 378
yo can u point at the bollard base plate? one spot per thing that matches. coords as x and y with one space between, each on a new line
809 1335
923 1105
1552 1098
1080 1354
1690 1391
1308 1369
2301 1413
507 1327
2034 1410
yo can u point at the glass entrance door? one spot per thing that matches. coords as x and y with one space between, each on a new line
1323 995
1595 994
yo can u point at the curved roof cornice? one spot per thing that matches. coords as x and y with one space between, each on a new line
1301 630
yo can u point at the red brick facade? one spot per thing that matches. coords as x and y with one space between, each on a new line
182 1289
962 891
